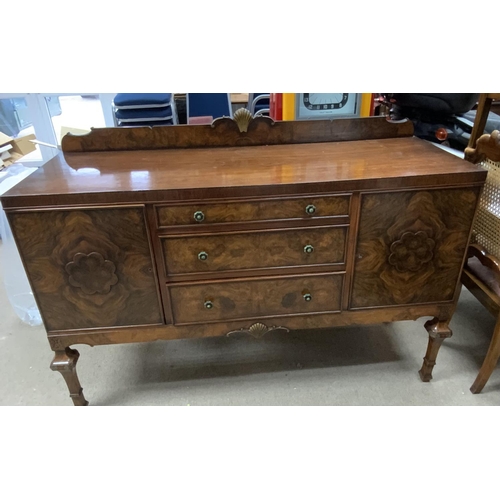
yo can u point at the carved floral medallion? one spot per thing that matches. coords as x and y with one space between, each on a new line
92 273
412 251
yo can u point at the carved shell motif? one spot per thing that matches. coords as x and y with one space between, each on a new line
242 117
258 330
412 251
92 273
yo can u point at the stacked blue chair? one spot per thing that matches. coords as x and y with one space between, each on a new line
134 110
209 106
259 104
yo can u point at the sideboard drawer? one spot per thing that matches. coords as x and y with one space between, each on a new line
254 250
263 210
256 298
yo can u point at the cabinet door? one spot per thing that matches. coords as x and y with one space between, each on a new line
410 246
89 268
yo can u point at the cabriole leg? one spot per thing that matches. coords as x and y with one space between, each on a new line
438 331
65 363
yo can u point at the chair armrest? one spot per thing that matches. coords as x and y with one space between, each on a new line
487 146
488 260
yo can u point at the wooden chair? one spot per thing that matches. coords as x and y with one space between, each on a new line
481 274
483 108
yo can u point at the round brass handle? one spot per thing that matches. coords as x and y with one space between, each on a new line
203 256
199 216
307 297
209 304
308 249
310 209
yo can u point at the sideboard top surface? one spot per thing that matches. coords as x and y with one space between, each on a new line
358 164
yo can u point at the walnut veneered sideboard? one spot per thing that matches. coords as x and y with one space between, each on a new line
139 234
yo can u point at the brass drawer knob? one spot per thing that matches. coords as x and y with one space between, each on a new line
307 297
203 256
308 249
199 216
209 304
310 209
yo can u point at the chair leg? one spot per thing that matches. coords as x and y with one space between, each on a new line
490 361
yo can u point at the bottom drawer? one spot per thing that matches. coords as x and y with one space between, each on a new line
242 299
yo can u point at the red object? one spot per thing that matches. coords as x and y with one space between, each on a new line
200 120
441 134
276 106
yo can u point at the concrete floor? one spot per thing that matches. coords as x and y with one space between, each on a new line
373 365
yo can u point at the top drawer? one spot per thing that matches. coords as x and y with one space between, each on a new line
253 211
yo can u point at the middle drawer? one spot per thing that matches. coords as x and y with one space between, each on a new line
254 250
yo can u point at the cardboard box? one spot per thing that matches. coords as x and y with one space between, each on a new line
19 147
64 130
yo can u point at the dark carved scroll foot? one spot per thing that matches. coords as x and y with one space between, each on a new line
65 363
438 331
